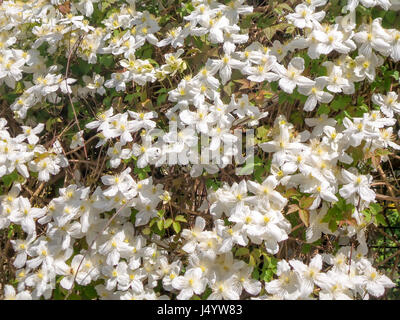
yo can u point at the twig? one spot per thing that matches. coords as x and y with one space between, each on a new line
38 190
56 137
393 198
387 235
387 198
188 211
388 258
80 147
302 241
93 163
296 227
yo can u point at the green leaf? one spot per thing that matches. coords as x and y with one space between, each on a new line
129 97
160 224
142 172
146 231
89 292
252 261
249 167
340 103
211 183
74 296
269 268
389 18
285 6
306 248
167 223
176 226
106 60
332 225
306 202
10 231
180 218
107 101
323 109
206 293
10 178
304 216
375 208
262 133
161 99
152 222
242 252
367 215
19 87
297 117
255 274
382 152
133 215
160 213
81 68
380 219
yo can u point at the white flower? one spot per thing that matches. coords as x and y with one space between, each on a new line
116 153
305 17
115 275
146 153
21 246
308 273
77 140
375 282
335 286
356 186
262 72
287 285
373 37
25 215
291 77
316 225
117 81
120 182
226 289
266 192
31 133
10 294
279 50
331 40
335 79
388 104
225 66
315 94
143 120
281 145
191 283
191 236
97 84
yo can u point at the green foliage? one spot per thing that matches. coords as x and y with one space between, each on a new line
10 178
374 214
338 214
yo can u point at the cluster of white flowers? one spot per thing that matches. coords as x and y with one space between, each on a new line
347 278
213 118
107 222
256 217
23 152
115 252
